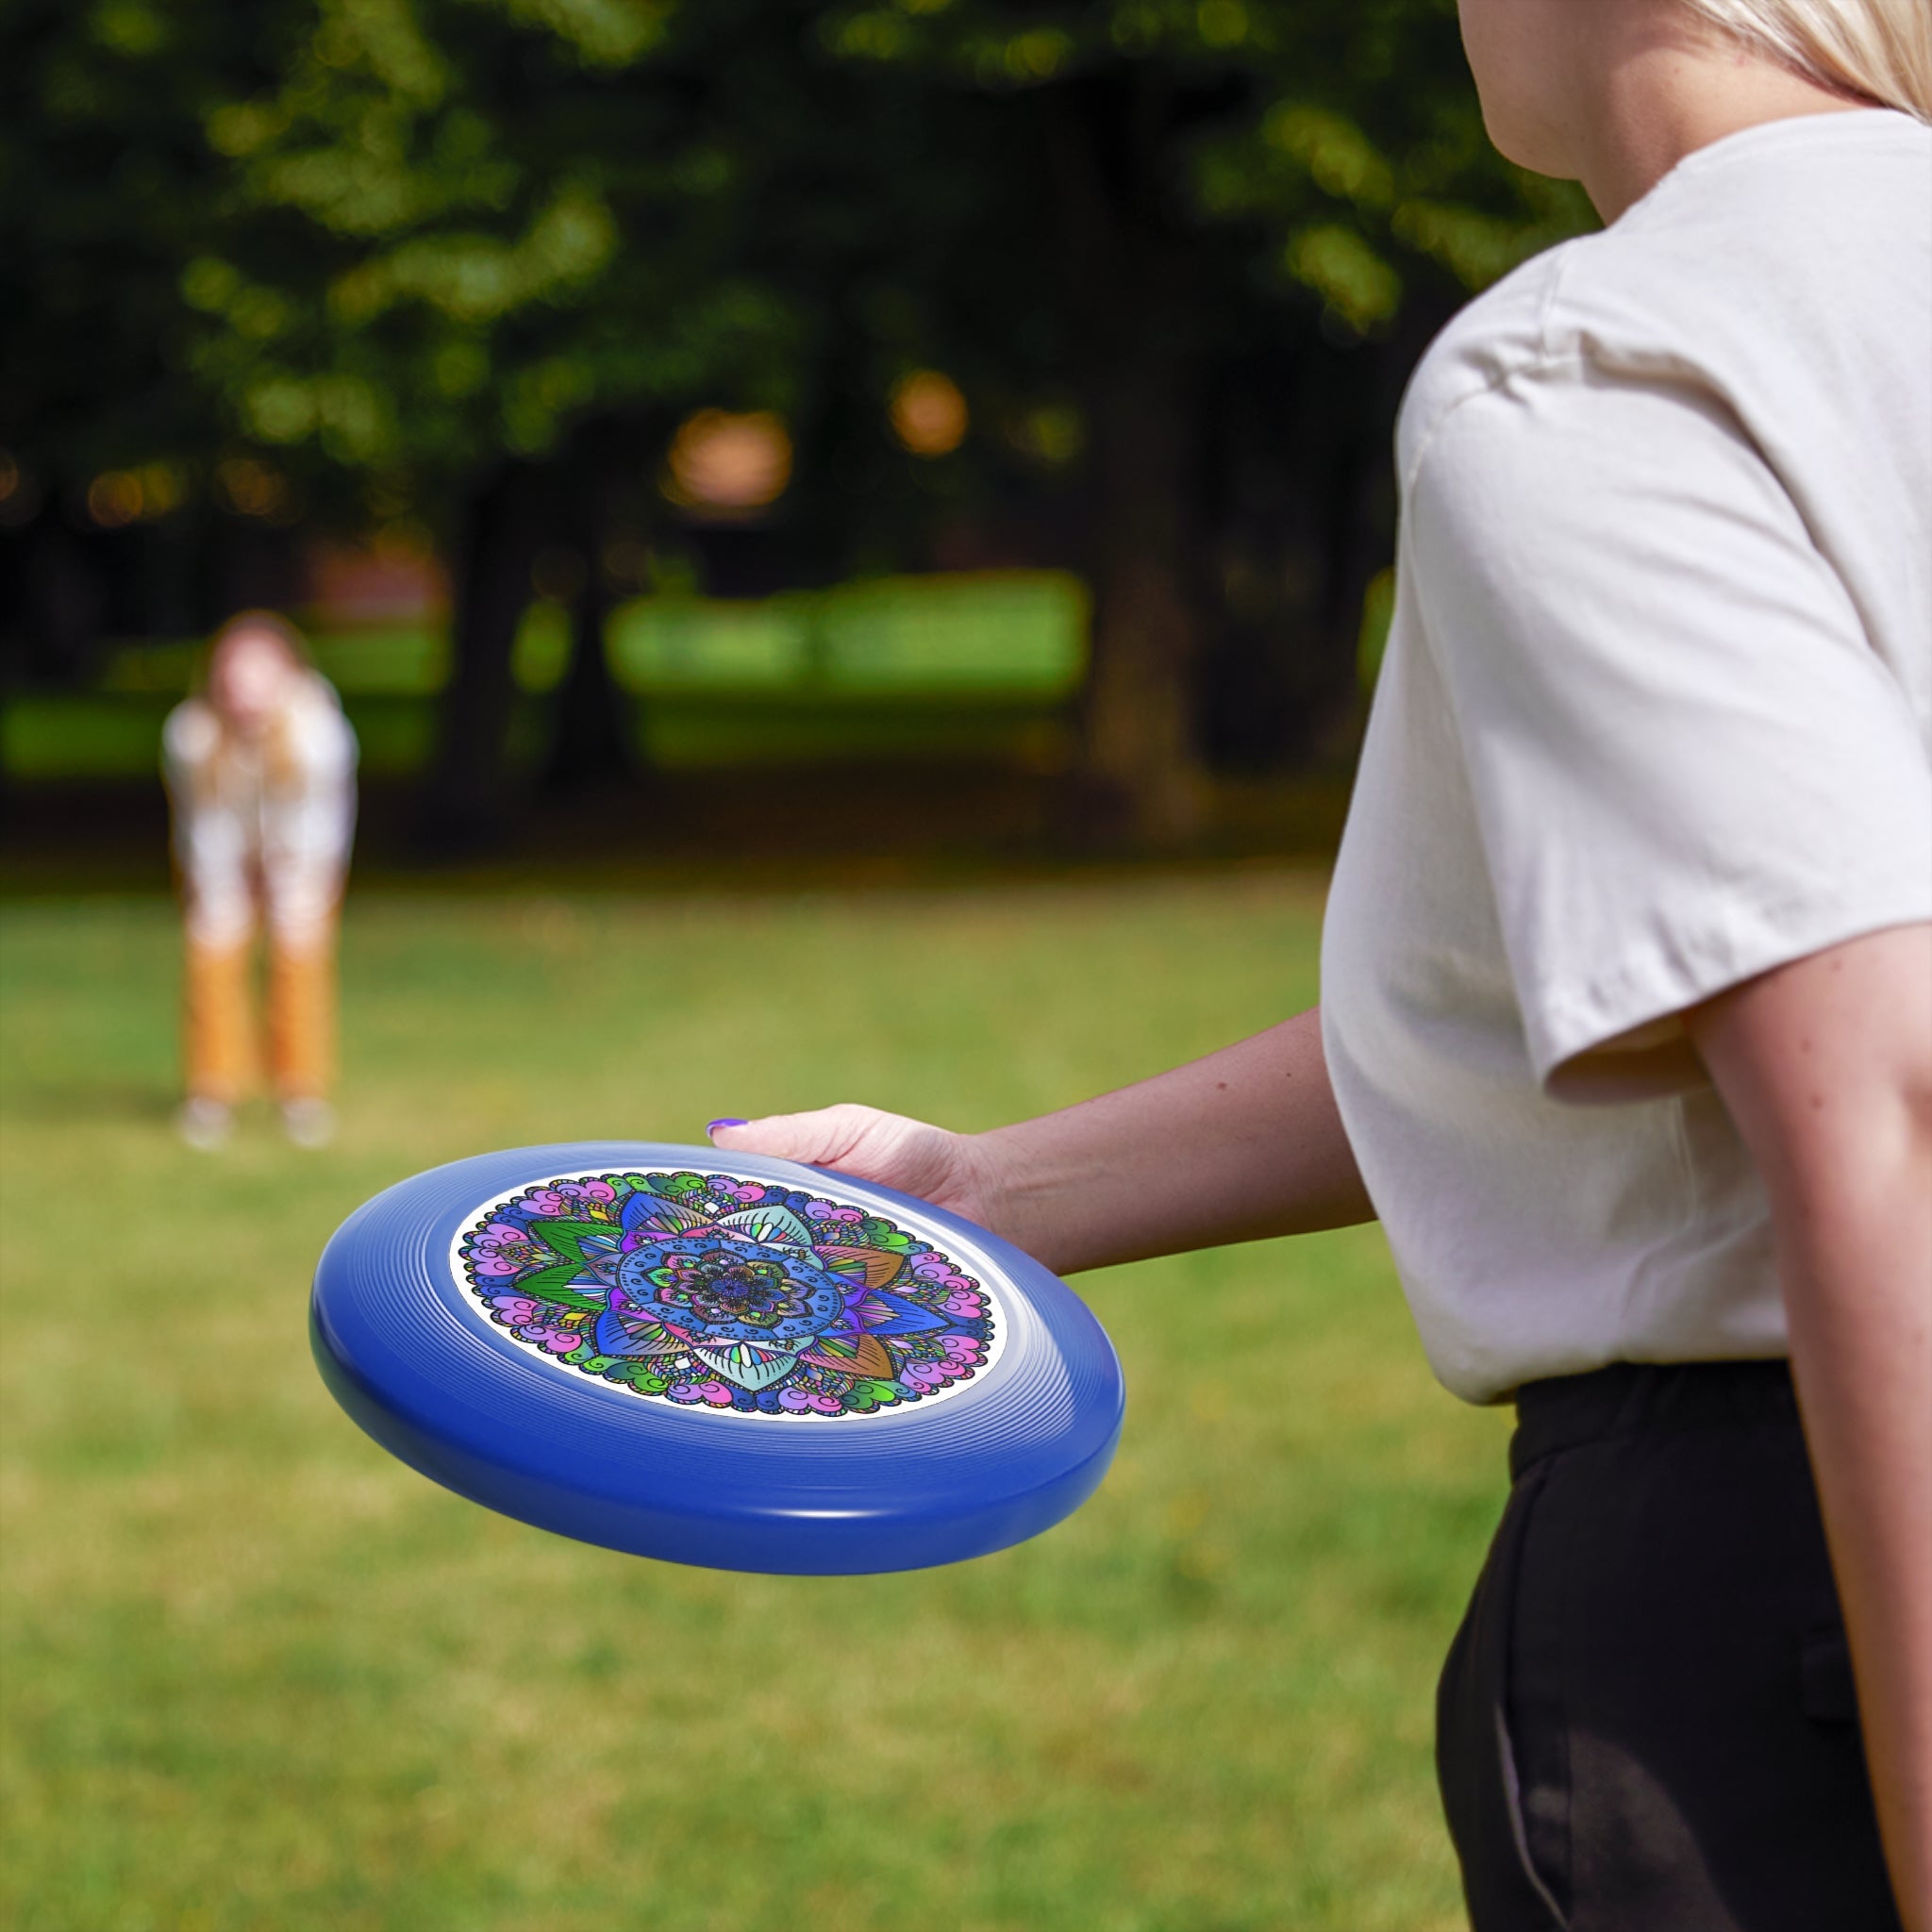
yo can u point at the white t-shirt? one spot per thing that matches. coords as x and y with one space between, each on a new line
1655 716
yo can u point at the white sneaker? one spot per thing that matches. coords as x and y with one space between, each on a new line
204 1123
309 1121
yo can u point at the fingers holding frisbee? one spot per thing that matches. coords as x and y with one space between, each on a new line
717 1357
889 1149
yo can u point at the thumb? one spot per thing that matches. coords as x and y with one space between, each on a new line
816 1138
912 1156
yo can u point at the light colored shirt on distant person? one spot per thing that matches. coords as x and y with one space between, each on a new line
262 827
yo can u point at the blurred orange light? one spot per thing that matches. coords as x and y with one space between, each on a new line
114 499
729 464
929 415
250 489
9 476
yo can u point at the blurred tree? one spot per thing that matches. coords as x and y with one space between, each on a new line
504 246
1235 196
107 189
509 228
468 263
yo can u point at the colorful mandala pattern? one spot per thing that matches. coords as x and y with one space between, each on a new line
729 1294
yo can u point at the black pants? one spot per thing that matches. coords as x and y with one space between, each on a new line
1647 1721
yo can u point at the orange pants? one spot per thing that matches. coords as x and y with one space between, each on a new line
221 1046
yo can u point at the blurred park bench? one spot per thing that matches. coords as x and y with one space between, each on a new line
982 665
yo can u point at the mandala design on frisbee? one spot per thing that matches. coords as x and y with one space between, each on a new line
731 1295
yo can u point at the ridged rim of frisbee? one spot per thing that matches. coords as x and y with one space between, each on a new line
406 1349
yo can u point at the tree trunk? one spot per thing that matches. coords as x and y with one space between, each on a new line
593 741
62 602
590 741
1133 306
467 798
1140 738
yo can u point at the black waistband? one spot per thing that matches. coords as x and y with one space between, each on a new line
1632 1398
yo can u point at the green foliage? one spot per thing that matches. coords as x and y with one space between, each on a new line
476 205
260 1674
107 190
396 238
1346 133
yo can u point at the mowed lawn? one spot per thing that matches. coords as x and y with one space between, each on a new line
256 1675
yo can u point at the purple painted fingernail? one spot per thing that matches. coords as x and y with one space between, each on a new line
716 1124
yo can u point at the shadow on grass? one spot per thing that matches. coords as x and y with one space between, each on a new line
707 832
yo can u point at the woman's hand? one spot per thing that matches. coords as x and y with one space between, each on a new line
949 1170
1236 1147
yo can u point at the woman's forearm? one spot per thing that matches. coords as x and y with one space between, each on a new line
1243 1144
1827 1068
1858 1297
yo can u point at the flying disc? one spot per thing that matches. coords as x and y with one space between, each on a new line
716 1359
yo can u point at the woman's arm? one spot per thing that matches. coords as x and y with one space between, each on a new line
1241 1145
1827 1068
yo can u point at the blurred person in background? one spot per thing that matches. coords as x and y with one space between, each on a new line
261 768
1626 1022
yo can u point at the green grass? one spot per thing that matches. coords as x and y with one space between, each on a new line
256 1675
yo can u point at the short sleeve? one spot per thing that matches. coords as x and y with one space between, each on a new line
1689 763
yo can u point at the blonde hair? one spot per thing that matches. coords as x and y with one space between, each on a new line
1879 50
282 767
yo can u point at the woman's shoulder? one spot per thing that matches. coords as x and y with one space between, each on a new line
318 732
315 696
1757 266
1609 304
1501 333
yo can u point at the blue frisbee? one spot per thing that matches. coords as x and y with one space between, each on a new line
716 1359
